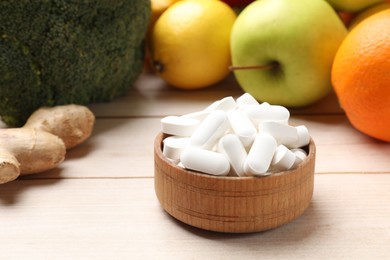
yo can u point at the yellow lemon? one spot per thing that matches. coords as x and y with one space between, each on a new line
159 7
190 43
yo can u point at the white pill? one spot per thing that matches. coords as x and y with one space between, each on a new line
205 161
260 155
181 165
212 106
275 113
174 145
199 115
174 161
231 145
266 112
303 136
300 156
284 134
299 152
177 125
283 159
224 104
250 110
212 128
242 127
246 99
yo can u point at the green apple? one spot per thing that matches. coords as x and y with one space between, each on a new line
282 50
352 5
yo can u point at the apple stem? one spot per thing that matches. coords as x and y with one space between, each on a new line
251 67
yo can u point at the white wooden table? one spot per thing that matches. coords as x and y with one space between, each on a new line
100 203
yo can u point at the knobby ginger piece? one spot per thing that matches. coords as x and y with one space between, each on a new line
41 143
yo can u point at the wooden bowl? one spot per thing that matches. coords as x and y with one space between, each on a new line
233 204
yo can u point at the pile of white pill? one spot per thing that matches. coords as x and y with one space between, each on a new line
235 137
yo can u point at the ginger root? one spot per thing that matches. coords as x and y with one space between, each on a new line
42 142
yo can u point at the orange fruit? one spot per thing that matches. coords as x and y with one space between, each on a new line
367 13
361 76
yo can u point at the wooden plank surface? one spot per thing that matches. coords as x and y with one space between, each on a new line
124 148
122 219
100 202
152 97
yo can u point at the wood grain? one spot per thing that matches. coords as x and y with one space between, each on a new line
101 202
123 147
151 97
122 219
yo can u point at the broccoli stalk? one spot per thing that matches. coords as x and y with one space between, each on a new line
63 51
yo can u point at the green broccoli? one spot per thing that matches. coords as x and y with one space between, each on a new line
56 52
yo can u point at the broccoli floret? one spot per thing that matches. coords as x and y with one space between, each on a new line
68 51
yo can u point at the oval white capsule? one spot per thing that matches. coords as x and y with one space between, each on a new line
300 156
177 125
303 136
205 161
246 99
283 134
210 130
231 145
174 145
199 115
224 104
242 127
260 155
283 159
266 112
